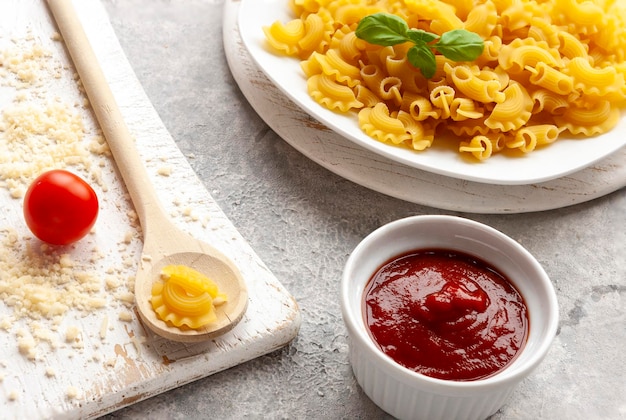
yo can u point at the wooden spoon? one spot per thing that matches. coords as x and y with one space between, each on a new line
163 242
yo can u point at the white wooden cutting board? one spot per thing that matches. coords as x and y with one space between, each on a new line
113 362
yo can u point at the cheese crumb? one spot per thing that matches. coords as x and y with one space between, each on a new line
13 395
72 392
125 316
128 237
72 334
26 345
103 327
111 282
6 322
126 297
164 171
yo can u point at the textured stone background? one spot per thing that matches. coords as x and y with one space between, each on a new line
303 221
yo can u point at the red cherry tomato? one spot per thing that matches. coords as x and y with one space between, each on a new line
60 207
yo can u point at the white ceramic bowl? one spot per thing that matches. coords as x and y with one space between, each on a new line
406 394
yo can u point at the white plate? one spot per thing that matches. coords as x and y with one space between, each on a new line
561 158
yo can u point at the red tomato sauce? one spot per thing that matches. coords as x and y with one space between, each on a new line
445 314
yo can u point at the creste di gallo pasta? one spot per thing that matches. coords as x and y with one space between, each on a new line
548 67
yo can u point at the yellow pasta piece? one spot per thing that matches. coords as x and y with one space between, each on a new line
440 73
540 134
514 142
349 46
185 297
594 118
610 37
481 147
379 124
470 128
570 46
482 19
300 6
462 109
389 90
580 12
285 37
513 112
375 55
328 92
593 80
520 53
462 8
411 78
491 52
476 84
549 101
420 108
442 97
332 65
348 14
527 138
420 137
542 30
441 15
316 35
551 78
372 76
520 15
366 96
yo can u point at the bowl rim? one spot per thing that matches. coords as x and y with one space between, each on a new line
512 373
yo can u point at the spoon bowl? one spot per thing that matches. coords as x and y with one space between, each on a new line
206 260
163 242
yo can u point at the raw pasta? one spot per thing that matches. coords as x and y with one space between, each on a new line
548 67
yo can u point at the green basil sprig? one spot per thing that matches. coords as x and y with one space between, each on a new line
387 30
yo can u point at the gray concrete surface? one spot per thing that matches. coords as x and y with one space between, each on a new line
303 221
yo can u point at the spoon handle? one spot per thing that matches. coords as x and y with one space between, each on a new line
119 139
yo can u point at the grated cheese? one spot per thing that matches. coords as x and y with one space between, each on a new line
165 171
72 334
72 392
46 289
103 328
13 395
26 344
39 282
35 121
125 316
128 237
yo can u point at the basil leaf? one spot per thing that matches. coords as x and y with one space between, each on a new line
419 36
382 29
422 57
460 45
387 30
